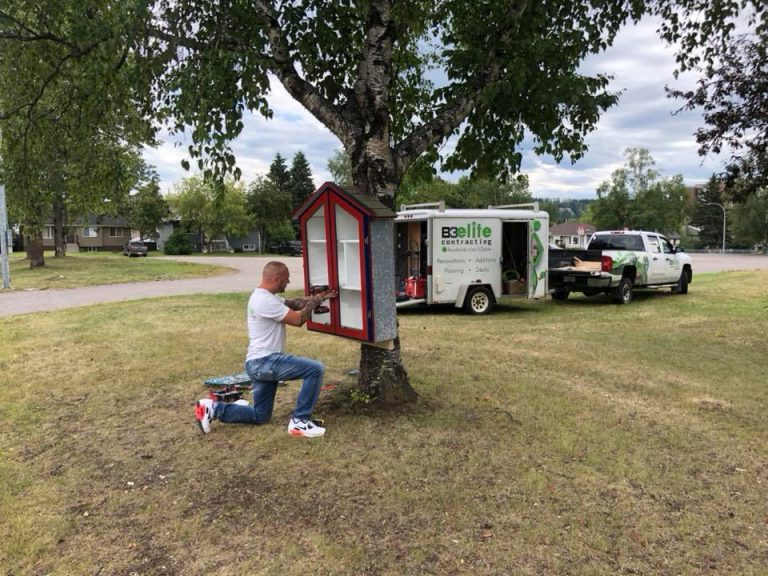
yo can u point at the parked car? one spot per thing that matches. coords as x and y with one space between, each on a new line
135 248
290 248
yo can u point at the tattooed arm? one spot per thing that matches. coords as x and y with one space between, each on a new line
296 303
301 310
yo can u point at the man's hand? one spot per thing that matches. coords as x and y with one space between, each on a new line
328 294
302 308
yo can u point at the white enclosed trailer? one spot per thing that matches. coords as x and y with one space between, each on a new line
470 257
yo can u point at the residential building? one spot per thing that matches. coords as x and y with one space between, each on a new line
94 233
571 234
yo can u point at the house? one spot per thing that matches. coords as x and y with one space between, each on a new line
164 231
249 243
571 234
92 234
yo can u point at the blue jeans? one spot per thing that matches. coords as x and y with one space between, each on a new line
265 373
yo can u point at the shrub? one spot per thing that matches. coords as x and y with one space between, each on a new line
178 243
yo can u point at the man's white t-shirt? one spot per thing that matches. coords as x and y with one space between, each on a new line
266 330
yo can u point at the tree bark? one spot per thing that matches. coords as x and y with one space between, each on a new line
34 245
383 376
59 233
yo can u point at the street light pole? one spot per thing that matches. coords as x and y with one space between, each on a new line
723 209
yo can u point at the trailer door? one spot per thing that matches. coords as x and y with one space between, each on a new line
465 251
538 237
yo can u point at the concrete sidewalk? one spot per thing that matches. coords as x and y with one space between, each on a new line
246 276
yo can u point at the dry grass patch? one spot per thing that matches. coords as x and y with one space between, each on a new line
577 438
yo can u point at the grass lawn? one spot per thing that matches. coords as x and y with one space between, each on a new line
581 438
93 268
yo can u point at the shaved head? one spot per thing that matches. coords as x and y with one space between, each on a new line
275 277
273 269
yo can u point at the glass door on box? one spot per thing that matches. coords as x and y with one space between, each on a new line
349 269
317 260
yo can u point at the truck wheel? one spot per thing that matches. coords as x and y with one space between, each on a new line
623 292
560 295
478 301
682 284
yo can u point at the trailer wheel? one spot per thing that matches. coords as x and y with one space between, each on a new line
623 292
478 301
560 295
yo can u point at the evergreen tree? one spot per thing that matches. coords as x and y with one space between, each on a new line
708 217
300 178
278 173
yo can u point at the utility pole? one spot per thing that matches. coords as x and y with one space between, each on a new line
4 235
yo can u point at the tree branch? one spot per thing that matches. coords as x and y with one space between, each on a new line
451 116
301 90
442 126
40 93
27 34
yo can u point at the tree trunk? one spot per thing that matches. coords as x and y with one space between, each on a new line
34 244
59 234
383 376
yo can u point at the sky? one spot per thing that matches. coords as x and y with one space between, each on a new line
640 63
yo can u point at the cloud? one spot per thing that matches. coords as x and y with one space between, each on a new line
641 65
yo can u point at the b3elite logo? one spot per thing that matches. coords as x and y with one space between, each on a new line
469 230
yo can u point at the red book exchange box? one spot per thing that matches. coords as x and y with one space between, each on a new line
348 240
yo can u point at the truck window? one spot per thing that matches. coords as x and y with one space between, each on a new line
632 242
653 244
666 247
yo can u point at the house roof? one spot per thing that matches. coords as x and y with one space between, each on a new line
366 203
571 229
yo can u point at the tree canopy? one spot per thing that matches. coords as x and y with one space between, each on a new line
270 208
363 69
147 208
638 197
214 208
467 192
726 43
69 118
733 94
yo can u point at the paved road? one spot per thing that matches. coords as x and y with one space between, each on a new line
245 276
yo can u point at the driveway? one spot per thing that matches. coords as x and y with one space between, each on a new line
246 275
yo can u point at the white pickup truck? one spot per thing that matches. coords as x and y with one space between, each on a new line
616 263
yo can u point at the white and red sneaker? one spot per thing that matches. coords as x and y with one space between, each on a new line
204 414
305 428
